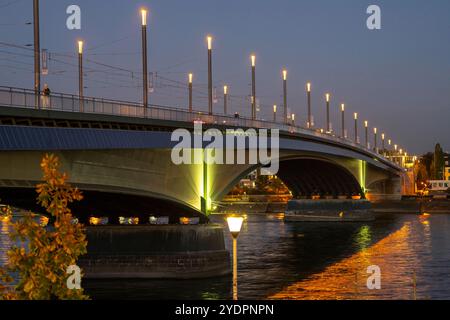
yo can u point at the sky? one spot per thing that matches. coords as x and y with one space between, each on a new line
397 78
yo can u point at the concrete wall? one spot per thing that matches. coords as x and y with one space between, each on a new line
155 252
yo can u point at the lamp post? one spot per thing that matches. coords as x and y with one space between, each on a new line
383 136
80 75
308 93
327 99
293 119
253 61
225 99
375 132
144 61
285 107
366 125
274 113
37 55
235 225
210 86
190 79
343 120
356 127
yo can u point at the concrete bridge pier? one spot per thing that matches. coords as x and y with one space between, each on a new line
155 252
385 190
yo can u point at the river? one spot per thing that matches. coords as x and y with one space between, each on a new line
281 260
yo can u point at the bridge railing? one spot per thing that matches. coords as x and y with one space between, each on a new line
25 98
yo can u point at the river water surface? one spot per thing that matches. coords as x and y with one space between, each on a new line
283 260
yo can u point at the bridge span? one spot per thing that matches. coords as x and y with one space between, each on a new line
120 157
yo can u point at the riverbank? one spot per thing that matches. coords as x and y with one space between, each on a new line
416 205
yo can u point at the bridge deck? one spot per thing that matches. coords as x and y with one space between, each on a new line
18 107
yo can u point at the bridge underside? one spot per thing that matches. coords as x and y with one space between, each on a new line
144 182
105 204
307 177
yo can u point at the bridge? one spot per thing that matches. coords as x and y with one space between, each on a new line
120 157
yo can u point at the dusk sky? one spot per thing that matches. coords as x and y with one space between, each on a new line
398 77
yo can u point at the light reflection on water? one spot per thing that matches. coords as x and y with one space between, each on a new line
279 260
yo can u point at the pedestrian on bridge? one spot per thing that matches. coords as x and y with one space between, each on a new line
46 97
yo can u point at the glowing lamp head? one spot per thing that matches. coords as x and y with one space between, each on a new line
366 124
191 77
274 108
225 89
144 17
308 87
342 107
356 116
327 97
284 74
395 147
382 136
235 225
253 59
375 130
401 151
80 47
209 41
389 141
293 117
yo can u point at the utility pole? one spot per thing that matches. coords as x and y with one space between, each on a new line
144 62
37 55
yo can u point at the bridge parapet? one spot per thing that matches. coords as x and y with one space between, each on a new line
26 99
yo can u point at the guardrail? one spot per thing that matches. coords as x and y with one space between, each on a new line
25 98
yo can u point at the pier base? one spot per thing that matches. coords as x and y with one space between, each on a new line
332 210
155 252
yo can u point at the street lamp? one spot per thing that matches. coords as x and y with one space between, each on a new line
235 225
383 136
343 120
293 119
225 99
80 74
274 113
366 125
327 99
144 60
285 107
190 79
375 140
356 127
253 61
210 88
308 93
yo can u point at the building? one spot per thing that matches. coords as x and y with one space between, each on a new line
447 166
438 186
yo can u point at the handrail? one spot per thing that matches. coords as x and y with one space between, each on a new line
26 98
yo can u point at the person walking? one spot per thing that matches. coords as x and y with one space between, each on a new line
46 97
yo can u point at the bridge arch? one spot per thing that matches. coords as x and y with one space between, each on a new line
306 176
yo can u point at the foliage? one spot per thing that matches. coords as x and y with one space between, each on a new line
264 185
438 163
41 266
5 213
